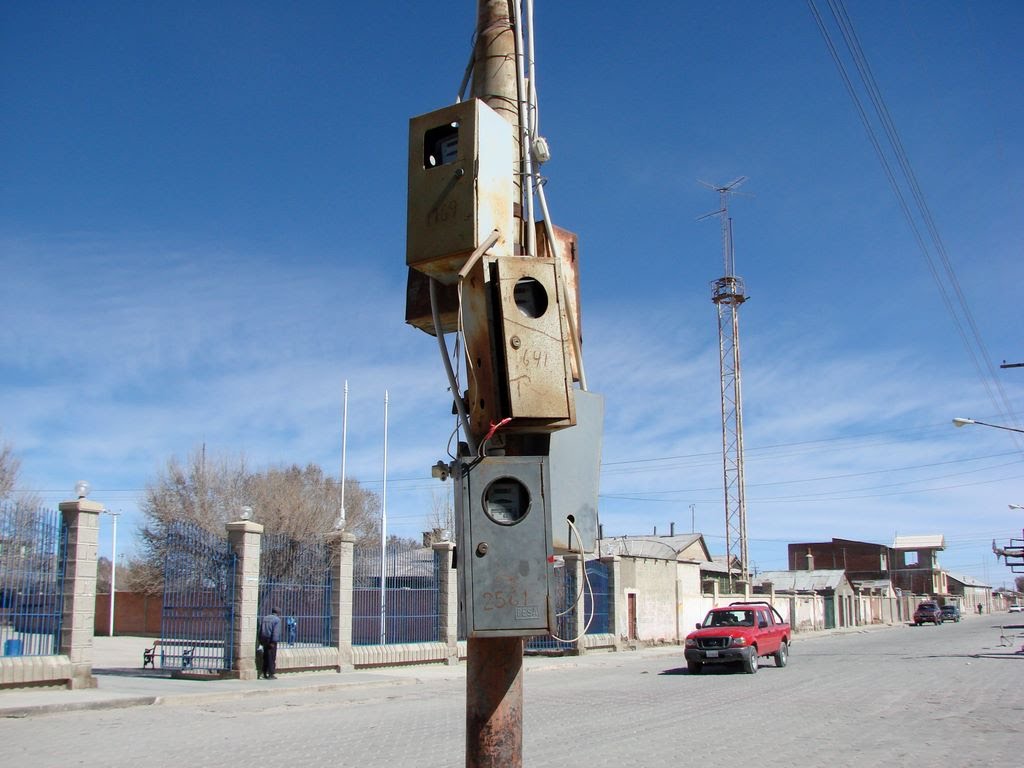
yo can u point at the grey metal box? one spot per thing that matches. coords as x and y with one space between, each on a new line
505 560
461 170
575 462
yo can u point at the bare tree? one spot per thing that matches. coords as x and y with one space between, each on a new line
300 502
442 514
141 575
9 467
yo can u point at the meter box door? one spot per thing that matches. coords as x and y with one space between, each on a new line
505 560
461 169
535 342
575 460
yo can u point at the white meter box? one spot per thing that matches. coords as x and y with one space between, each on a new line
461 164
505 559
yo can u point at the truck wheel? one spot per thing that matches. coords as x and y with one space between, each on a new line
750 662
782 655
694 667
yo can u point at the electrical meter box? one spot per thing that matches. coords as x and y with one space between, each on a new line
461 166
575 462
505 560
535 341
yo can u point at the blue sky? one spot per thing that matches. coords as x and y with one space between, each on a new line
202 225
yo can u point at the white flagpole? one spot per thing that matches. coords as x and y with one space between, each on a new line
344 442
384 528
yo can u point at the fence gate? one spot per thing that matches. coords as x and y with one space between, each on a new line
32 564
198 610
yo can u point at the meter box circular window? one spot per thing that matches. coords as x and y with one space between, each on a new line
506 501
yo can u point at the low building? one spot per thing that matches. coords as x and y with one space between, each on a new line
969 594
659 584
915 569
829 598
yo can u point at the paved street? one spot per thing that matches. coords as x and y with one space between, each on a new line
948 695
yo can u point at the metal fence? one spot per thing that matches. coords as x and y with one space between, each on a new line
32 565
597 599
408 609
596 604
564 587
198 609
295 578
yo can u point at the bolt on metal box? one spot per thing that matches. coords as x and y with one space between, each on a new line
505 560
461 166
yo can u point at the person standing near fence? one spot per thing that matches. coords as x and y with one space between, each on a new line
269 637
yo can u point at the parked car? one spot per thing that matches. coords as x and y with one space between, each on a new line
928 613
739 634
1017 609
950 613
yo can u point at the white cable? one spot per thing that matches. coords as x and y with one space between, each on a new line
525 140
579 593
531 58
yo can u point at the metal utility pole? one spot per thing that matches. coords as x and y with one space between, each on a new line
526 469
728 293
494 665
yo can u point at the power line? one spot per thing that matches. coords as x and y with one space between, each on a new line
959 310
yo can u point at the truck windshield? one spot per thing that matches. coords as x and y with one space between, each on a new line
729 619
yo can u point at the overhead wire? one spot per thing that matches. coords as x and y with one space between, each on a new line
959 311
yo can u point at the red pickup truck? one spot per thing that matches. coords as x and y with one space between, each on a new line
739 633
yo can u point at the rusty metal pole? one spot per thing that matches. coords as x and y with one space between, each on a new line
494 666
494 702
494 76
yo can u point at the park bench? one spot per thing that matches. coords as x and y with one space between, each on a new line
188 649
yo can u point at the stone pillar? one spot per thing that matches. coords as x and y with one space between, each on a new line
576 563
244 537
742 588
341 545
716 591
448 588
81 519
617 618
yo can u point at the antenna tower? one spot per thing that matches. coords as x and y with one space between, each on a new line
728 293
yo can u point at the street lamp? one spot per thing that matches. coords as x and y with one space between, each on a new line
960 421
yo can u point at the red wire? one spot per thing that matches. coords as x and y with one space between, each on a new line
494 428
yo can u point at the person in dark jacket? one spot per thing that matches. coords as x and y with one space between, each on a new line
269 637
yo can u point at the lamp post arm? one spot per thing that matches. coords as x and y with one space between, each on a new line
959 422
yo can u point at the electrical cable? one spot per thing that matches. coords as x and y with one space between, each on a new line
579 593
453 383
884 116
972 341
525 141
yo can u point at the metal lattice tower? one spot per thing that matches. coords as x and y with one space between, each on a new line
728 293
